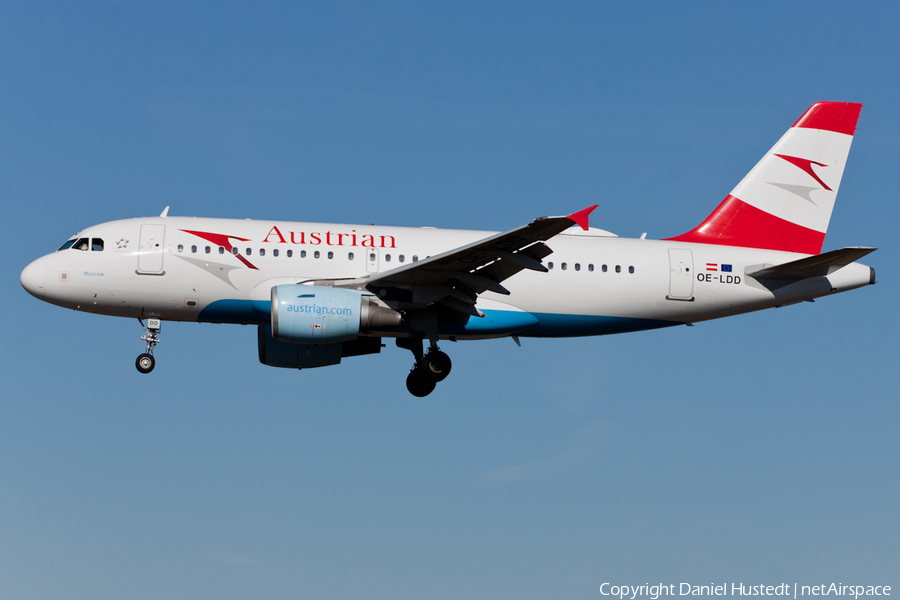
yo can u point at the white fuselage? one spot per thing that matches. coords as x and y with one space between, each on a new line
222 270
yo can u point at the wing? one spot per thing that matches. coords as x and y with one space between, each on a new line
454 279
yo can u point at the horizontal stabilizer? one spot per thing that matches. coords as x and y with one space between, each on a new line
820 265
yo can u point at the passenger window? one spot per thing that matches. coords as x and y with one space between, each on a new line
415 258
401 258
193 249
290 253
591 268
603 268
618 269
208 249
275 252
387 258
96 244
372 257
181 247
67 245
302 253
577 266
262 251
316 254
350 256
330 255
550 266
81 244
563 266
249 251
234 250
221 250
631 269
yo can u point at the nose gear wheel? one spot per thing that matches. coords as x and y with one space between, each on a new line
145 362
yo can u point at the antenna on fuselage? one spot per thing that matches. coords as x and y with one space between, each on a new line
165 212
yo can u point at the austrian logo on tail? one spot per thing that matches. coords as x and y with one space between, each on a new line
806 165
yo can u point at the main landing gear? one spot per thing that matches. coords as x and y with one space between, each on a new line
428 369
145 362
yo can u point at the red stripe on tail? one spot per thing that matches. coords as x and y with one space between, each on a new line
839 117
736 223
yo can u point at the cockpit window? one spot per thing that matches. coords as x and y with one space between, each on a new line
67 245
81 244
96 244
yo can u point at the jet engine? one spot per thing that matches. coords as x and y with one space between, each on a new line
306 356
310 314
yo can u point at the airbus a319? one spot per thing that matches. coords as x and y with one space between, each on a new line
321 292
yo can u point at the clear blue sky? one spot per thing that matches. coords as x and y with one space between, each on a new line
761 448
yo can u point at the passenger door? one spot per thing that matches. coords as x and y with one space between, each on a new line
151 249
681 274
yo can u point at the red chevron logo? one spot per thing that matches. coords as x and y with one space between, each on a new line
806 166
220 239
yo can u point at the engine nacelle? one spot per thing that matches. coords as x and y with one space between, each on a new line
310 314
306 356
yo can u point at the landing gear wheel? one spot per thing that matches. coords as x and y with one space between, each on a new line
437 365
145 363
419 383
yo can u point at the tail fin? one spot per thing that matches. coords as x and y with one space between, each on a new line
785 201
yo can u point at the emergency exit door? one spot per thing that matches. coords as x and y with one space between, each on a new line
372 260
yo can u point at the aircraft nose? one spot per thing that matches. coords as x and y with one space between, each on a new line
32 278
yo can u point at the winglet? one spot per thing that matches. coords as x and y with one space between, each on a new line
581 217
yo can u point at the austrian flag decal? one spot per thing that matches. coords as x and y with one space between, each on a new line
717 267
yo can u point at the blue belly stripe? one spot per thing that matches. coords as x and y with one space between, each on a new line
494 321
508 322
236 311
555 325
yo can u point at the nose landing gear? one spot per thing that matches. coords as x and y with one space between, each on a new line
145 362
428 369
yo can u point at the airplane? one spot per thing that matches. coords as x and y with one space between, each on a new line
320 292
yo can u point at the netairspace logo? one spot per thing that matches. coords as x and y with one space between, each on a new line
654 592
